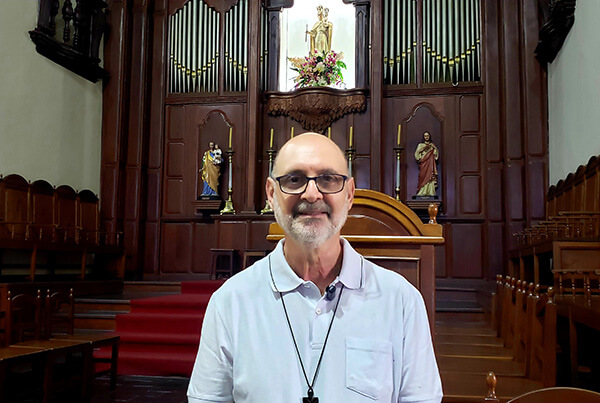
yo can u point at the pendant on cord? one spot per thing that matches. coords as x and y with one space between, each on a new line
311 398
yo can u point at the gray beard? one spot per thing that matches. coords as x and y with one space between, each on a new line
308 231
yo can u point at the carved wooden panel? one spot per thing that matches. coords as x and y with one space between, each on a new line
467 250
493 190
512 90
205 238
495 248
88 212
16 199
176 248
66 207
42 203
514 179
174 202
470 194
470 114
470 156
537 175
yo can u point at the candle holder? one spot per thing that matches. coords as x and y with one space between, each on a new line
228 209
350 154
271 151
398 150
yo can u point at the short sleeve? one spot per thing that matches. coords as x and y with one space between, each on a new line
420 377
212 379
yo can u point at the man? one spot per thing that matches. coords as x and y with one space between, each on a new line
314 321
426 155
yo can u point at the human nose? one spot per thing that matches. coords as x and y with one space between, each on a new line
312 192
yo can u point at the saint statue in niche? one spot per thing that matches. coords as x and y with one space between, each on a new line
426 155
320 34
211 169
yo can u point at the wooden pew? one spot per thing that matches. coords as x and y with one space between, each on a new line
541 312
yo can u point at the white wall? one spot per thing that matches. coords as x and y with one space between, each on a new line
50 118
574 95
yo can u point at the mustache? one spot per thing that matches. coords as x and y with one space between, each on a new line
304 207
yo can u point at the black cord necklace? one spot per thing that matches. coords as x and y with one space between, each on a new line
310 395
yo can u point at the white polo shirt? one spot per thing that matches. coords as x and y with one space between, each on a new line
379 348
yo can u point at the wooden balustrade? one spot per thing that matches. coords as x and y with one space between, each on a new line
77 46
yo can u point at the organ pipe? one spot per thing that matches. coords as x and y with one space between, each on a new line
194 48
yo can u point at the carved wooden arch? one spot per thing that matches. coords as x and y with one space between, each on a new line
220 6
428 106
216 111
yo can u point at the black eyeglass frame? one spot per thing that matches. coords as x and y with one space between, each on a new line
311 178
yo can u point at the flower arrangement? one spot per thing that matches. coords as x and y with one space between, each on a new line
318 69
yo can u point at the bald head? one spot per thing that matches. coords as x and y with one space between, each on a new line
308 147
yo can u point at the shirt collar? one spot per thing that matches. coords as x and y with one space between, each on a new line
284 279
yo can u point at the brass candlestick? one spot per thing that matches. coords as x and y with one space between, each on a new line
398 150
271 151
228 209
350 154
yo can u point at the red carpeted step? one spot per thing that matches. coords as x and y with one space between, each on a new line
159 322
178 303
158 360
160 338
160 335
200 287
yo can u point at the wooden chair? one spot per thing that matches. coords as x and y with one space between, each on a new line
250 256
23 318
546 395
222 263
60 310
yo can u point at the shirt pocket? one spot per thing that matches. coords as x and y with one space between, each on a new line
369 367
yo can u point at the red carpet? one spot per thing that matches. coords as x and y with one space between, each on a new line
160 335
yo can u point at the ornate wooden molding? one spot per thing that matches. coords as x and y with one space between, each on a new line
316 108
555 30
85 24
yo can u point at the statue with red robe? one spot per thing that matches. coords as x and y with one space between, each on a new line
426 155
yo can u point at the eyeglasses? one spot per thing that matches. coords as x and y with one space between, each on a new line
295 184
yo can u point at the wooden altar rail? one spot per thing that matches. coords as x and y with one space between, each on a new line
41 225
567 225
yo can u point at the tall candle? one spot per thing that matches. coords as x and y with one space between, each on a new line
230 131
292 134
399 130
351 131
329 133
271 140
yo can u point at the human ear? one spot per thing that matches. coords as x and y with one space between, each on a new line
270 190
350 191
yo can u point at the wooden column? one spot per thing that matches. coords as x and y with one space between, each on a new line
377 168
253 125
153 174
115 96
